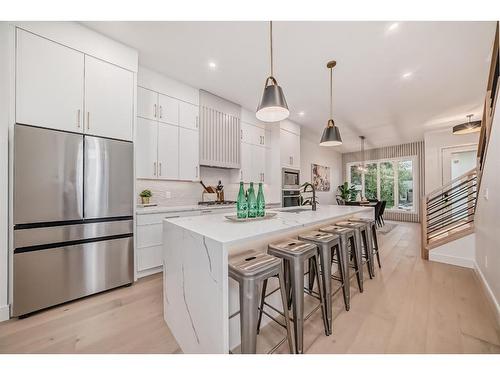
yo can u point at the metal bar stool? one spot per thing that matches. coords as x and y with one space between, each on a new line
294 253
372 233
348 238
327 243
361 231
249 269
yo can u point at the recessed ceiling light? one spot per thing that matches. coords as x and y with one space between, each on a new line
407 75
212 65
393 26
302 113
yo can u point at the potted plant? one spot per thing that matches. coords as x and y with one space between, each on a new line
145 196
347 193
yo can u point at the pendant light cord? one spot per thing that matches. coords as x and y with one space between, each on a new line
331 92
271 44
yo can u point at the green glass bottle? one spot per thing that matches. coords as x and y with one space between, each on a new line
261 203
252 202
241 203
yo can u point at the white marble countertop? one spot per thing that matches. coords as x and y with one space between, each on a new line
220 229
193 207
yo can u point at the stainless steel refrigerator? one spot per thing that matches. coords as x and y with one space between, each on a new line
73 216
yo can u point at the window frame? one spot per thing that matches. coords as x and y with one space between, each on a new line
395 166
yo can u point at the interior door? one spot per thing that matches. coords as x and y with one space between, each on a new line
188 154
109 178
48 175
146 147
109 99
168 151
49 83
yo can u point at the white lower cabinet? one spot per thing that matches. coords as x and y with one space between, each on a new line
149 233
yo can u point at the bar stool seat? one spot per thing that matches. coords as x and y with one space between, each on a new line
327 243
249 269
372 234
348 238
366 250
294 253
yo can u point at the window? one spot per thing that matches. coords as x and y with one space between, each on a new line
390 180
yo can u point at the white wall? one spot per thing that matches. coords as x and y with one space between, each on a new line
312 152
5 66
487 218
461 252
435 141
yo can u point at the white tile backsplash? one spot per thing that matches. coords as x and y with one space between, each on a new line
184 193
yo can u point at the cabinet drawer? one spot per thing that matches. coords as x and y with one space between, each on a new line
149 235
149 257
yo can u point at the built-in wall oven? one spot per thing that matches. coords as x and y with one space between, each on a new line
290 193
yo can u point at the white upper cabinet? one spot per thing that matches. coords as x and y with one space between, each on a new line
147 103
188 115
146 143
290 149
189 154
168 110
108 99
49 83
168 151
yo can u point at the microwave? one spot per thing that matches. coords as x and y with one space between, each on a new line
290 179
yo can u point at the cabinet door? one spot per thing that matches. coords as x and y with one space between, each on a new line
188 115
109 99
168 111
147 103
246 172
295 139
189 164
49 84
286 142
258 163
260 136
168 151
146 147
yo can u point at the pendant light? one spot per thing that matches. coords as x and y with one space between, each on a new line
468 127
362 167
331 134
273 105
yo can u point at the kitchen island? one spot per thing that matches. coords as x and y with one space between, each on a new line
198 298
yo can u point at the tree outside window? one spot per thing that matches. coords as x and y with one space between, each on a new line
356 177
405 185
387 183
371 181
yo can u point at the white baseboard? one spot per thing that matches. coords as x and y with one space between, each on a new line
450 259
4 313
489 293
149 271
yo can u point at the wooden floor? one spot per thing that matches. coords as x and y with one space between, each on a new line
412 306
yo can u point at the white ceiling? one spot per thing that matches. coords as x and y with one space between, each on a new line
448 62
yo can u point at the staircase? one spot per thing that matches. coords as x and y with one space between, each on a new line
448 212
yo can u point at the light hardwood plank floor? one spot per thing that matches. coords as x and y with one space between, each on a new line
411 306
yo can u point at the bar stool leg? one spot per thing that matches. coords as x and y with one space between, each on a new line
358 265
297 281
326 270
261 306
249 297
284 302
369 253
344 275
311 275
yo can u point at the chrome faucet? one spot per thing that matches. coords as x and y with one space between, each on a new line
311 201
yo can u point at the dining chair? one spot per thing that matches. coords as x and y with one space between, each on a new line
381 215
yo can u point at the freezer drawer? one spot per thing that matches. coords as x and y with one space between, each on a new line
48 175
109 178
49 277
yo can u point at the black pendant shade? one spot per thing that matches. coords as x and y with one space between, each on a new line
331 135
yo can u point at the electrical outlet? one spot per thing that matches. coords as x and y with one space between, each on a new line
168 195
485 261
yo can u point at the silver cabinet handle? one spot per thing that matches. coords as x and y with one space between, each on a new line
160 168
241 134
78 119
196 169
241 175
154 168
88 120
161 111
263 140
196 122
154 110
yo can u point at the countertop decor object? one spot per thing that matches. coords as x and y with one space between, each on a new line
268 215
272 106
145 196
331 134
